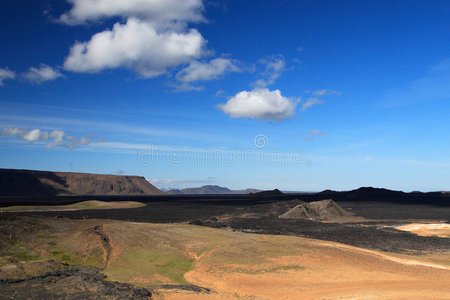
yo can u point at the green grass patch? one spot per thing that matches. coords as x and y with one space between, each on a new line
95 258
65 257
23 254
143 262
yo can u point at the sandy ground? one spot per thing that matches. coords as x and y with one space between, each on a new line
329 271
323 270
438 229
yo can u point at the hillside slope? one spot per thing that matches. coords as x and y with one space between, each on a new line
221 263
16 183
324 210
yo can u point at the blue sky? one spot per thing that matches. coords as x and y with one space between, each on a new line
296 95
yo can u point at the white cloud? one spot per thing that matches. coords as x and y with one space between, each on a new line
313 133
54 137
260 103
274 68
198 71
219 93
41 74
72 142
136 45
57 137
156 11
186 87
12 131
5 74
33 135
325 92
311 102
51 139
107 126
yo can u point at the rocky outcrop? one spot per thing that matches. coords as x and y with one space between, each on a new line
324 210
23 183
267 194
77 282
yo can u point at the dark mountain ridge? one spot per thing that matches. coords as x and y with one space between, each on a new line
29 183
368 194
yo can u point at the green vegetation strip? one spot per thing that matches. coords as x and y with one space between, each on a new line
168 263
92 204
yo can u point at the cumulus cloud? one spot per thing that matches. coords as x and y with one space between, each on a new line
311 102
156 11
5 74
198 71
325 92
260 103
51 139
42 74
34 135
154 37
274 68
136 45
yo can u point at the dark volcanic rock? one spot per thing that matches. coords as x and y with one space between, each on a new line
78 282
267 194
370 236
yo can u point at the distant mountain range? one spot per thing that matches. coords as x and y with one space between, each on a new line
210 190
29 183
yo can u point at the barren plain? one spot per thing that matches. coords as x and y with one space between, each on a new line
226 247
